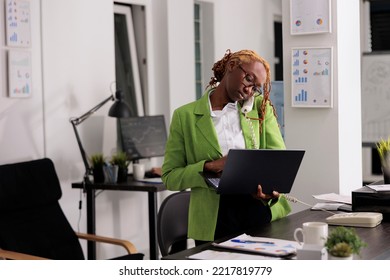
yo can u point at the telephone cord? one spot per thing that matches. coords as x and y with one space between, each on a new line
295 200
253 136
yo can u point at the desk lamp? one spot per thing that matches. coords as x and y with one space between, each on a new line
118 110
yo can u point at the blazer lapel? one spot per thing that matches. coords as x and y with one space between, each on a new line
204 122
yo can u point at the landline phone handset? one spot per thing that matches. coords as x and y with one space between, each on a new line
248 105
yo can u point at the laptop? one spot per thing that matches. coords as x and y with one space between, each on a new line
274 170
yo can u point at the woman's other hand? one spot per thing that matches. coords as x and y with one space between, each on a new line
215 166
263 196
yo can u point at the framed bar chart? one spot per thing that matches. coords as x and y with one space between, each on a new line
18 23
311 77
19 73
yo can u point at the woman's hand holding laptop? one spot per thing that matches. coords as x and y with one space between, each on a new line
263 196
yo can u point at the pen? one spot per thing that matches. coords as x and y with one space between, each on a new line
251 241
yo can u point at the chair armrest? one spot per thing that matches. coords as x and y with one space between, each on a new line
11 255
130 248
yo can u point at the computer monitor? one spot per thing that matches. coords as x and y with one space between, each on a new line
143 137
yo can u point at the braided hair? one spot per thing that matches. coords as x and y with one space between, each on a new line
239 58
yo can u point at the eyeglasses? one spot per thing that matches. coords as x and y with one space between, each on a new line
249 81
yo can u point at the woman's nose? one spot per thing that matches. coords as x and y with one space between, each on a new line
248 89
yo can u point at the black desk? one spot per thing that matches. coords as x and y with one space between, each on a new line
130 185
378 238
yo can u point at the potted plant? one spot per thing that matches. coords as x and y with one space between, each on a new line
383 148
120 159
97 162
343 242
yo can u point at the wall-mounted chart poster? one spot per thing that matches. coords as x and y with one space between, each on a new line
310 16
375 96
18 23
19 73
311 77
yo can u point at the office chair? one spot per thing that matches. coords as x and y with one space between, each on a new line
32 223
172 223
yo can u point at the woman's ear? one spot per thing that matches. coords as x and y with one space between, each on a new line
231 66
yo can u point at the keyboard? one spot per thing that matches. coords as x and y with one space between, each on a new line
150 174
214 181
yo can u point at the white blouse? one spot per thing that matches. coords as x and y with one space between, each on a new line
228 127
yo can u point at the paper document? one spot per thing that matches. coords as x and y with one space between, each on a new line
333 197
223 255
261 245
150 180
379 188
327 206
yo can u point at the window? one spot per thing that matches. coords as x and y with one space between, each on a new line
198 52
204 45
126 59
380 25
278 51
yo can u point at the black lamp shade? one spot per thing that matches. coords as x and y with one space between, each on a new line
119 109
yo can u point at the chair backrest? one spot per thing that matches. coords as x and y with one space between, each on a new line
31 219
172 221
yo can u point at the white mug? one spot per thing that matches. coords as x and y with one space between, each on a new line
313 233
138 171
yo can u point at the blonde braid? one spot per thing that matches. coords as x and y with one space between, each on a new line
219 69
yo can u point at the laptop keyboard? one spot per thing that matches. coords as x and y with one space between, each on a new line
214 181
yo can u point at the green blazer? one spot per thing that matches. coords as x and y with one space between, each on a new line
192 141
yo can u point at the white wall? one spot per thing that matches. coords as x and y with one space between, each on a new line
78 69
75 73
349 95
246 24
331 136
21 120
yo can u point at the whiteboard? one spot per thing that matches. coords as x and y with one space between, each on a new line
375 97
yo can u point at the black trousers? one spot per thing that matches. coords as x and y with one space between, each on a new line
239 213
